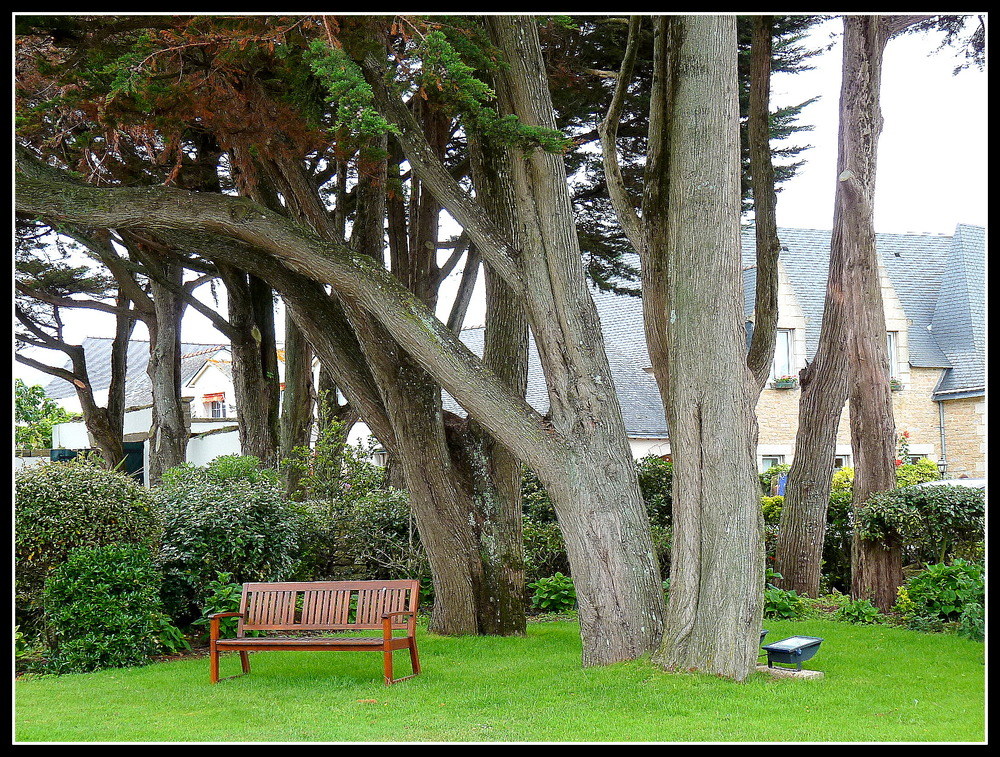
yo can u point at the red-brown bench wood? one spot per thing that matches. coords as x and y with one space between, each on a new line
321 606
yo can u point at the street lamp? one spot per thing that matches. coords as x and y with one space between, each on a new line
942 466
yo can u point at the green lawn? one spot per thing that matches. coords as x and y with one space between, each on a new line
880 684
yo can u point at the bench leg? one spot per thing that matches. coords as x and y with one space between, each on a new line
213 664
245 661
387 667
414 659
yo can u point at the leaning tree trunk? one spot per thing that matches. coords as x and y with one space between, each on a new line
592 480
717 558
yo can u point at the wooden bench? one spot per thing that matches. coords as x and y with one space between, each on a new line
321 606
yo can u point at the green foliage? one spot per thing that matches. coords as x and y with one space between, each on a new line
553 594
972 622
34 416
860 611
229 516
781 603
931 520
444 71
772 507
222 594
656 477
945 591
61 506
544 550
768 477
919 472
348 93
102 609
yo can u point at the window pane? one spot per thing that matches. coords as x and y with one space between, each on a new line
782 365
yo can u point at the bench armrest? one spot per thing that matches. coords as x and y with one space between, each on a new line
411 627
214 623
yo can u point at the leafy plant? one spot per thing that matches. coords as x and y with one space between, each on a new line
61 506
222 595
785 604
34 416
860 611
102 609
553 594
945 591
228 516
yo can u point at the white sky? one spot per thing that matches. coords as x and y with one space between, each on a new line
932 156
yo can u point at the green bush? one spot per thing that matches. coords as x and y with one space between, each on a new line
102 609
945 591
544 550
553 594
771 507
222 595
656 478
931 521
861 612
229 516
784 604
972 622
61 506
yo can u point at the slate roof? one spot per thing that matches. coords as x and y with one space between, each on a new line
940 282
625 341
137 387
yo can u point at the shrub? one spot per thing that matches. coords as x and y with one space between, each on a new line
61 506
972 622
781 603
768 477
222 595
772 509
102 609
860 611
945 591
544 550
229 516
931 521
656 478
553 594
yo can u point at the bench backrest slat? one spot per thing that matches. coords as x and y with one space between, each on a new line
325 605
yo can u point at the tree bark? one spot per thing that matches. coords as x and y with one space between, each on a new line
716 583
877 568
298 401
168 435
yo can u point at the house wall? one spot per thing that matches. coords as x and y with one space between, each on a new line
965 437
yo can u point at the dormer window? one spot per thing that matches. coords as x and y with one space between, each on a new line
215 405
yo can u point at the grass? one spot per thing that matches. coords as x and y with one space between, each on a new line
881 684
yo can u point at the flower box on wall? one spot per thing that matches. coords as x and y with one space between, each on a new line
785 382
896 385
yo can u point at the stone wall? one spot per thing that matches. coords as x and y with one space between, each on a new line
965 437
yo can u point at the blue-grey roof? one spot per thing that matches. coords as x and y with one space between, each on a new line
137 388
940 282
625 342
959 318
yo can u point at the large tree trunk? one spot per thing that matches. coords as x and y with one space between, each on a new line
592 481
255 374
168 435
298 400
877 568
716 582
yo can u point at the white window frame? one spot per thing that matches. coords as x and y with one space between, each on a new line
892 350
789 353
